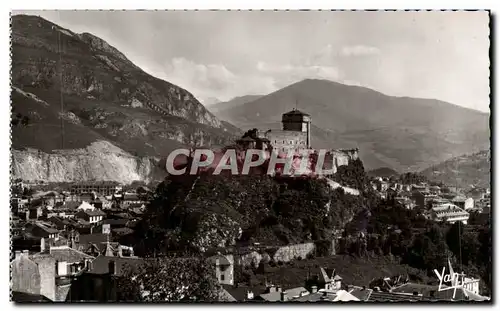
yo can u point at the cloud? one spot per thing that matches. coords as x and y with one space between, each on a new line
208 81
287 74
214 80
359 50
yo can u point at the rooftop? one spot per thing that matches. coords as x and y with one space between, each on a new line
65 253
296 112
101 264
290 293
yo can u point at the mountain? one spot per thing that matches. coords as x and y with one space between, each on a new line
463 171
210 101
399 132
220 107
106 98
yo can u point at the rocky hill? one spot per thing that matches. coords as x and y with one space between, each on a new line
206 211
105 97
398 132
464 171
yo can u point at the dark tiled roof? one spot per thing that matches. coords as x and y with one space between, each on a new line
25 297
222 260
72 205
240 292
290 293
85 239
361 294
296 112
68 254
95 212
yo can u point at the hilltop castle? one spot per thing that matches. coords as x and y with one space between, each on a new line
295 135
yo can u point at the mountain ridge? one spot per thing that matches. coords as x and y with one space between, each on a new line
464 171
105 98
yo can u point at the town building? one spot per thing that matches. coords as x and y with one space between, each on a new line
463 202
99 187
449 213
224 268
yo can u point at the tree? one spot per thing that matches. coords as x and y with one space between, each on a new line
169 279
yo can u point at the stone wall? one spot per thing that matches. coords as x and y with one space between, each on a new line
47 269
294 251
286 140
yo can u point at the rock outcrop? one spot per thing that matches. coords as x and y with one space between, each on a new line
100 161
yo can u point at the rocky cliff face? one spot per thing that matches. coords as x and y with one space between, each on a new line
100 161
73 91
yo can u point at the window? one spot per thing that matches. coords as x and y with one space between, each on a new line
222 277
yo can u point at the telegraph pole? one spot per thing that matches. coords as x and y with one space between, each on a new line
61 87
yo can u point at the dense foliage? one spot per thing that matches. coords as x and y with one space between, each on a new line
390 229
352 175
195 213
169 279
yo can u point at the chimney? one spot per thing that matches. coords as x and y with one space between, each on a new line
278 289
250 295
18 254
26 252
283 296
314 289
111 267
364 287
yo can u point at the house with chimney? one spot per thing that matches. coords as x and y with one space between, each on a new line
47 274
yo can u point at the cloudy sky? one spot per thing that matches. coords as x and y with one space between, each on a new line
220 55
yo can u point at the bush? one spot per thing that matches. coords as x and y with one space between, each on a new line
310 255
299 258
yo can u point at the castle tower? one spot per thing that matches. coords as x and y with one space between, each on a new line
298 121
